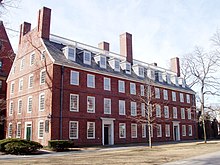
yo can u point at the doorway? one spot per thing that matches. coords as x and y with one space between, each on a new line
28 131
107 131
176 131
106 135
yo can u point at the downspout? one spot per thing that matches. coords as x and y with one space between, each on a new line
61 103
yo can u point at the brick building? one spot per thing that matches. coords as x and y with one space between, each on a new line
63 89
6 59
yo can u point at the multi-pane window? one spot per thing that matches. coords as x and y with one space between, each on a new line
29 104
142 90
133 130
159 130
189 114
30 81
133 108
121 86
173 96
12 87
107 106
90 81
183 130
43 55
10 130
102 62
42 102
71 53
22 64
11 107
87 57
157 93
190 130
18 131
182 113
74 102
43 76
21 84
175 112
143 112
41 129
117 65
19 106
133 88
165 94
121 107
158 110
90 130
73 129
107 84
167 130
122 130
32 58
166 111
144 130
74 78
187 98
181 98
90 104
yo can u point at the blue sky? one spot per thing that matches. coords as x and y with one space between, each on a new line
161 29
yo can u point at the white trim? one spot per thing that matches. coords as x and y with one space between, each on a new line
43 70
38 129
17 130
91 110
133 124
77 129
110 122
122 125
31 75
77 99
10 124
19 105
29 105
40 101
93 123
30 56
19 85
71 77
45 48
25 130
177 124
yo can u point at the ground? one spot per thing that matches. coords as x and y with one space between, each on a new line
159 154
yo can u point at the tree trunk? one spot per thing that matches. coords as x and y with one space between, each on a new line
149 134
203 113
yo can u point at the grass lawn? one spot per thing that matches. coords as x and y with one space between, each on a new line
132 155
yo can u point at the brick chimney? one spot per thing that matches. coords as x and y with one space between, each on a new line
126 46
175 65
104 46
44 16
24 29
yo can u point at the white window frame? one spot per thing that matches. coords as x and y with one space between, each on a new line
175 113
183 130
42 94
40 129
73 58
183 115
30 85
85 61
77 103
142 90
166 112
132 88
122 130
10 130
42 57
32 58
21 84
107 109
74 129
121 106
91 110
28 104
74 77
133 126
107 84
144 130
22 64
158 110
157 93
42 79
159 130
20 106
88 124
187 98
18 130
167 130
90 81
165 94
189 114
190 128
12 87
121 86
181 98
102 65
11 108
133 106
143 110
173 96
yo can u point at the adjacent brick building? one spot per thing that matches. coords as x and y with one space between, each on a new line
63 89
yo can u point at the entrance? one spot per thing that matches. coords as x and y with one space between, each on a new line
106 135
107 131
176 131
28 131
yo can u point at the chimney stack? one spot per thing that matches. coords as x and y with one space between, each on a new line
104 46
126 46
175 65
24 29
44 16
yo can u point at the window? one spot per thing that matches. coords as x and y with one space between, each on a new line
133 108
190 130
107 106
90 104
42 102
133 130
143 112
149 110
128 68
74 103
141 71
21 84
173 96
159 130
121 86
0 84
87 57
12 87
73 129
144 130
122 130
165 94
29 104
158 110
11 108
43 55
166 111
189 114
42 76
32 58
71 53
181 98
22 64
74 78
175 112
151 130
117 65
187 98
157 93
30 81
41 129
121 107
142 90
167 130
102 63
19 106
182 113
107 84
10 130
18 131
90 130
90 81
183 130
133 88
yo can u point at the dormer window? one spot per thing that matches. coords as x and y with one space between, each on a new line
174 80
151 74
139 70
182 82
115 64
101 60
70 53
128 68
168 79
87 57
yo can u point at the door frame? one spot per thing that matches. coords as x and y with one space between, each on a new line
110 123
177 124
25 130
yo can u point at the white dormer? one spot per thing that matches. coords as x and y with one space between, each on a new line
160 77
168 79
139 70
115 64
87 57
182 82
126 66
101 60
174 80
151 74
70 53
